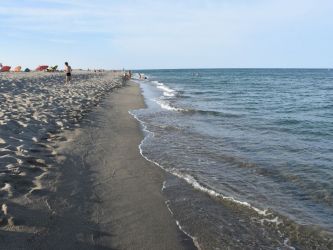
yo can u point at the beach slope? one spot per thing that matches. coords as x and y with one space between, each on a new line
112 187
71 174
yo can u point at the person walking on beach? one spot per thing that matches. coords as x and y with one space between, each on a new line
68 71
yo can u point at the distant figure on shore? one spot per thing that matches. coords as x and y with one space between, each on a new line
142 76
68 71
127 75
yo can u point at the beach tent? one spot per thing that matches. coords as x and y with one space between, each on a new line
17 69
5 68
42 67
27 70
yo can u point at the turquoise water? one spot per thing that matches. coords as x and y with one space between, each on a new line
261 137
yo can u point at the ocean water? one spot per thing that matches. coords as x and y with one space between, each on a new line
250 152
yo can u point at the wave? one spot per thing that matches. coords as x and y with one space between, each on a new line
166 105
149 134
195 183
265 215
210 112
167 91
194 239
168 94
204 92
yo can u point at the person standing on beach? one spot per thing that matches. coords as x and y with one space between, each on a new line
68 71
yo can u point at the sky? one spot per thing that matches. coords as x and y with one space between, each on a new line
156 34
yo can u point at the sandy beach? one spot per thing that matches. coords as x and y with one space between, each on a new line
75 173
72 176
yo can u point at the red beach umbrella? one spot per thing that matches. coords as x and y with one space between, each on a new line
42 67
5 68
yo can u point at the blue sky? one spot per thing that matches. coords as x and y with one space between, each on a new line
167 34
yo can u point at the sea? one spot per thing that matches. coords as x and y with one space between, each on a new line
248 152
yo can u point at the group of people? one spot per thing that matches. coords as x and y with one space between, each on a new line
127 75
68 72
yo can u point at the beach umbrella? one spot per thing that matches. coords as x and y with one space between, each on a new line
42 67
5 68
17 69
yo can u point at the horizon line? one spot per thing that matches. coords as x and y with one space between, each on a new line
324 68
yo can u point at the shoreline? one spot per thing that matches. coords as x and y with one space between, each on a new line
212 218
126 205
123 206
74 177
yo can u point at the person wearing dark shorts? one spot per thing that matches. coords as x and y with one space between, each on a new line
68 71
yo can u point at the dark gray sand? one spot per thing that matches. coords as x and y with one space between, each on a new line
104 194
121 191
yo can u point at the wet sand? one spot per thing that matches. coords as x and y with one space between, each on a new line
120 189
90 188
